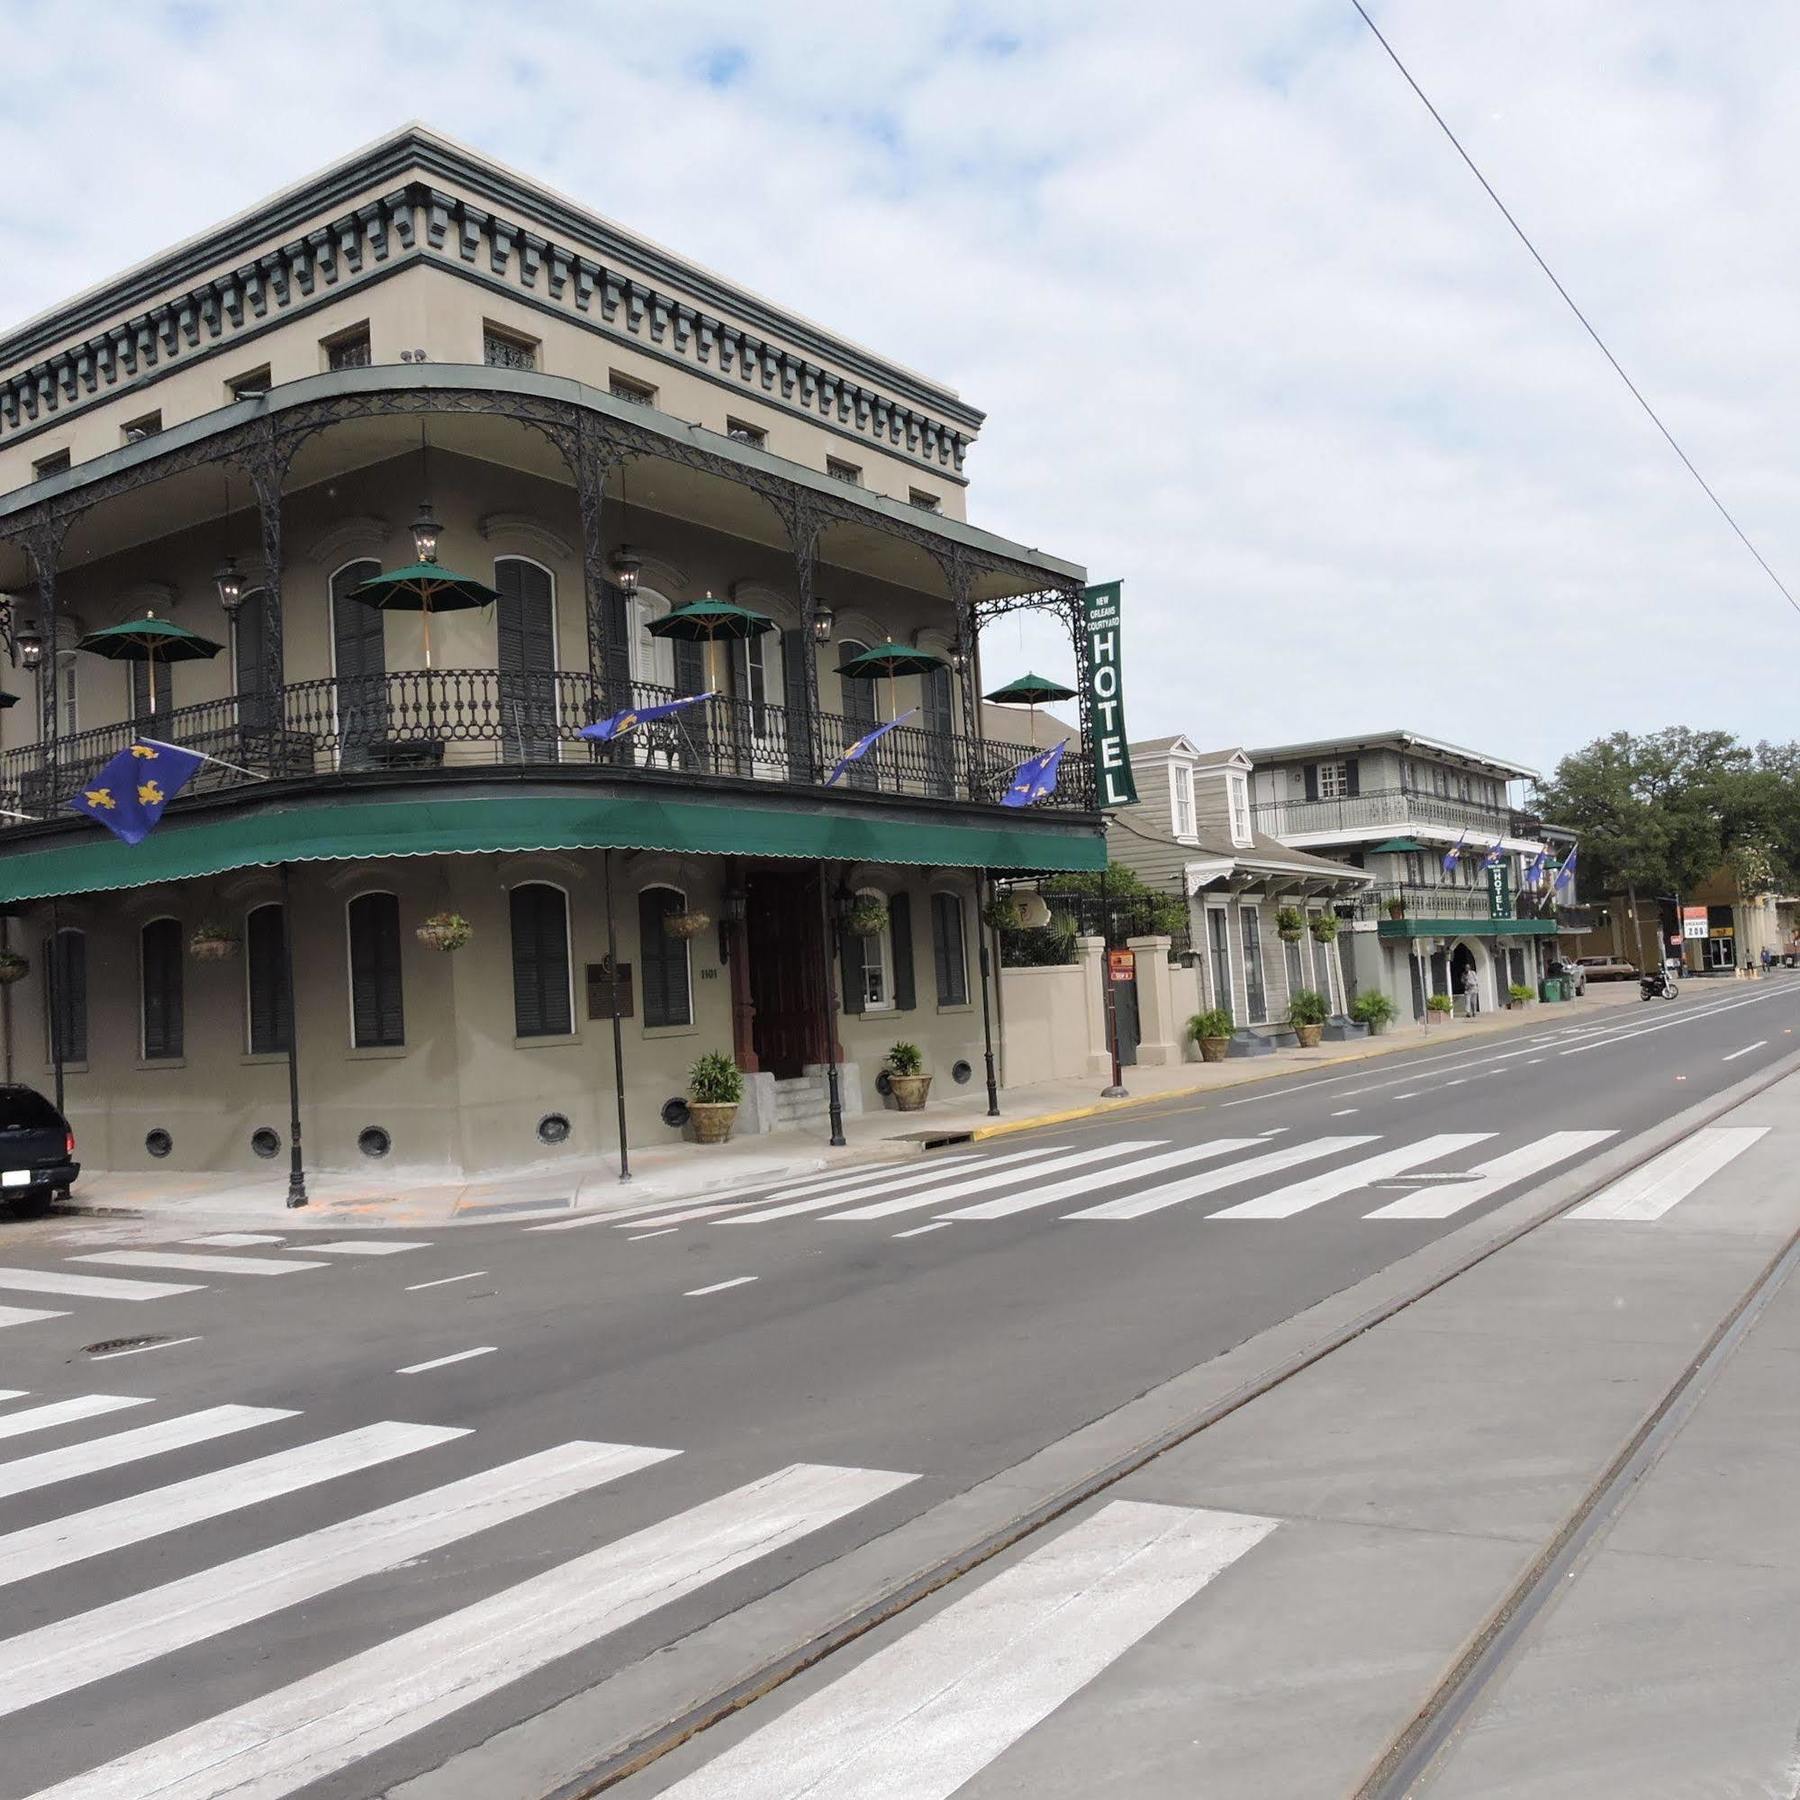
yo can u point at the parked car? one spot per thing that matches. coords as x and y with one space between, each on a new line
37 1150
1607 968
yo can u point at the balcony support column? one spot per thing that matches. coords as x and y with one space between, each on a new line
593 461
266 462
43 542
803 526
968 638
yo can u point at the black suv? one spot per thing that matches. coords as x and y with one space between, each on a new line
37 1150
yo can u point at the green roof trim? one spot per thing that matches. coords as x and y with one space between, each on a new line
380 825
1402 846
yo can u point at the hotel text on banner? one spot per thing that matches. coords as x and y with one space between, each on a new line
1112 756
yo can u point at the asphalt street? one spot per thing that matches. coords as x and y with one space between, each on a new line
359 1502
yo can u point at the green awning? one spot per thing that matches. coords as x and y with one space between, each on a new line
1455 928
513 819
1398 847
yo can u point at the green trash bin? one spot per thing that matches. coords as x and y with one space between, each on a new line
1550 988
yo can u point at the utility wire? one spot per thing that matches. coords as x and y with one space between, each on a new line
1519 232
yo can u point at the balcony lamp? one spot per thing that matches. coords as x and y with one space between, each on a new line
823 620
31 647
425 530
959 658
625 568
230 585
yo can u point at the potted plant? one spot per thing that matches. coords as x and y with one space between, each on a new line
1289 923
715 1089
1003 913
1374 1009
685 925
907 1081
867 916
1211 1030
13 967
445 931
1439 1006
211 942
1396 906
1307 1013
1519 994
1324 927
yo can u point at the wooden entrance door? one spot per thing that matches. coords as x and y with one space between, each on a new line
782 931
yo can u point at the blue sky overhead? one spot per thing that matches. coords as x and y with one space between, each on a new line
1247 334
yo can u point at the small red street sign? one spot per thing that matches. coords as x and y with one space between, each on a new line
1121 965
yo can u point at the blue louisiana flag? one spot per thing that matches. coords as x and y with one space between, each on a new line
1567 872
1453 853
605 730
864 744
1035 777
1496 856
1534 870
129 794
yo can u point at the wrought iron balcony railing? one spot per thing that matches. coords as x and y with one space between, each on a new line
1417 900
470 718
1381 809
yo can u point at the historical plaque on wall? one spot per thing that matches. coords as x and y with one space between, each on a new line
602 986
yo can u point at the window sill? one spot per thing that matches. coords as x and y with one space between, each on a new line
263 1059
650 1033
375 1052
552 1041
159 1062
69 1068
961 1006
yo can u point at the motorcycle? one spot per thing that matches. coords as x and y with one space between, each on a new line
1659 984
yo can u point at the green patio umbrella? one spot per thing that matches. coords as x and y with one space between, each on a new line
1031 691
890 660
706 621
149 640
424 588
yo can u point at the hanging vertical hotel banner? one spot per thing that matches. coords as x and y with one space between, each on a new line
1106 701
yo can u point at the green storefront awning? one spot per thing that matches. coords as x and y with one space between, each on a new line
345 828
1397 847
1455 928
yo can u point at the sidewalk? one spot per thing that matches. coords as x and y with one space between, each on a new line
677 1171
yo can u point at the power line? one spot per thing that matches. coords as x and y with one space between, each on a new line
1550 273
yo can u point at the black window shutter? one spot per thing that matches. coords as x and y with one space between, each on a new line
161 955
615 649
900 931
663 958
1312 781
940 946
794 650
69 1027
377 1000
540 948
1352 780
690 666
263 949
950 950
850 979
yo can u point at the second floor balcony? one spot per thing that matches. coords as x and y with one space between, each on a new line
1421 909
1382 811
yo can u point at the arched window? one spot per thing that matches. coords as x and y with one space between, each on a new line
359 665
377 1003
159 969
542 1006
668 991
857 699
525 642
270 1021
878 969
68 1016
949 950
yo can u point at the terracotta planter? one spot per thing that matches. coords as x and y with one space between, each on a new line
1309 1035
712 1120
909 1091
1214 1049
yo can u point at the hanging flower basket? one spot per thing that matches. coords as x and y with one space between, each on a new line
867 918
1289 924
1324 927
211 943
1003 913
445 931
13 967
685 924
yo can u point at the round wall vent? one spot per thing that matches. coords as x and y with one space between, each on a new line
158 1142
374 1141
962 1071
675 1113
882 1085
553 1128
265 1140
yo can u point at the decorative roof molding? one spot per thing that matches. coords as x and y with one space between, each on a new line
770 354
524 528
348 540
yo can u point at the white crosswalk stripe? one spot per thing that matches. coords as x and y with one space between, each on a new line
87 1647
197 1262
1079 1185
1284 1202
13 1393
63 1412
991 1178
90 1287
72 1538
1488 1178
324 1723
1668 1179
913 1178
27 1473
1192 1187
25 1315
236 1240
924 1715
365 1247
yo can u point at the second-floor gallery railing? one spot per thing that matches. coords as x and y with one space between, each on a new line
1381 809
470 718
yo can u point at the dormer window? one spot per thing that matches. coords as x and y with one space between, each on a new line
1237 786
1181 799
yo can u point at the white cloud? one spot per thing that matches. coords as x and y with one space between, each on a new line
1247 333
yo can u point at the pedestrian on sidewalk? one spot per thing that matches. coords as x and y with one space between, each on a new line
1471 992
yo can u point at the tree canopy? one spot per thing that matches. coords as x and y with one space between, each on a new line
1659 813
